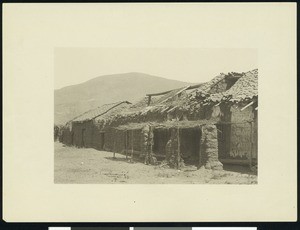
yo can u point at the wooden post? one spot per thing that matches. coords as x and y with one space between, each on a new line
145 146
114 151
151 140
178 148
114 145
126 139
124 135
131 146
200 146
251 103
251 144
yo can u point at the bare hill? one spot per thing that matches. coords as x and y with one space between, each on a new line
73 100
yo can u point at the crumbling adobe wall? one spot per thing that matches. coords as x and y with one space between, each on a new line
65 136
240 144
241 133
121 140
80 138
209 148
97 138
134 140
204 112
239 116
109 139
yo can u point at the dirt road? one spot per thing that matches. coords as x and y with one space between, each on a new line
90 166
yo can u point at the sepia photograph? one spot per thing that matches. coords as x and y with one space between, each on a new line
191 122
149 112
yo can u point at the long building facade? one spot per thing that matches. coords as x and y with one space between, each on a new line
205 125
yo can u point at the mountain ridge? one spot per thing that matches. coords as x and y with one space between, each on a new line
71 101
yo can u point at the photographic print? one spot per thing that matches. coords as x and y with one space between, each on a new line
198 124
149 112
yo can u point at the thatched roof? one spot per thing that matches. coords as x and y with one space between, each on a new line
189 98
99 111
206 87
166 124
245 88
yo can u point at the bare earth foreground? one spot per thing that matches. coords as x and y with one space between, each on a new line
90 166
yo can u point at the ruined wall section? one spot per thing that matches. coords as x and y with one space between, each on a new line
65 136
83 134
209 148
242 135
121 141
98 138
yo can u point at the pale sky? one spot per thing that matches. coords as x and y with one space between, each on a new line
76 65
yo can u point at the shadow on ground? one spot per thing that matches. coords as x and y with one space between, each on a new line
239 169
123 159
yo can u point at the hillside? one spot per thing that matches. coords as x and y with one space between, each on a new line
73 100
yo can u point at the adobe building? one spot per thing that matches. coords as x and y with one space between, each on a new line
206 125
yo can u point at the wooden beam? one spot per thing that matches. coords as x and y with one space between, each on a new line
178 148
195 86
201 143
251 145
218 103
127 102
114 144
165 109
256 108
151 140
126 138
125 143
131 146
251 103
158 94
170 110
180 91
165 92
114 147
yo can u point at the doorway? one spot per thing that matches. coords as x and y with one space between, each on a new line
160 138
190 145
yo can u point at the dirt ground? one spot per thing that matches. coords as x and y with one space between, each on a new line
89 166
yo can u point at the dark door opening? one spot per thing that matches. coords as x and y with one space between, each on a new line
161 137
190 145
224 133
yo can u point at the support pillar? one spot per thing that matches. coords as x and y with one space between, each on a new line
208 155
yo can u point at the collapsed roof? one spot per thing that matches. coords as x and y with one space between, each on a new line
245 88
231 87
